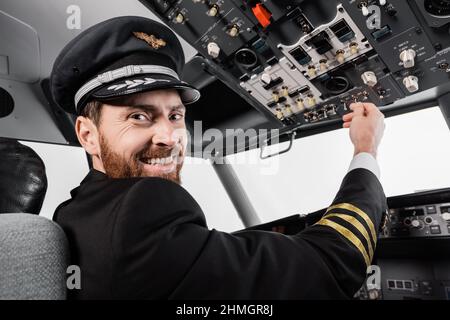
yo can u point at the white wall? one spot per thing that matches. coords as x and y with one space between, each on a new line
414 155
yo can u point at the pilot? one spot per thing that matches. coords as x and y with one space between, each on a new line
136 233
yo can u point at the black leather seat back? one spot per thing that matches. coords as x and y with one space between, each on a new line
23 182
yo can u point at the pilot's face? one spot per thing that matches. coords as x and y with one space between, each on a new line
144 136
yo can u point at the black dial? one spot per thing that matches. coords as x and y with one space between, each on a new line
438 7
337 85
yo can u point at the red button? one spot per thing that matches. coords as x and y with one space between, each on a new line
262 14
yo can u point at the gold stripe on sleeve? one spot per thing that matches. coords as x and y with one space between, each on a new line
348 235
362 214
358 225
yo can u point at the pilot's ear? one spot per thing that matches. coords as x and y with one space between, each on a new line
88 136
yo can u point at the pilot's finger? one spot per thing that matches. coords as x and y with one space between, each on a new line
357 108
370 108
346 125
347 117
372 111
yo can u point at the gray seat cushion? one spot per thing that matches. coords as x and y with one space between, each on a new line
33 258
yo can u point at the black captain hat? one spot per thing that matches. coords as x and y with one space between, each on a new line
117 57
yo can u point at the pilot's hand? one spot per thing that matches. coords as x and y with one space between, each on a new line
366 124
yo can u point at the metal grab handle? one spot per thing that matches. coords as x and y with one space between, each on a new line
263 157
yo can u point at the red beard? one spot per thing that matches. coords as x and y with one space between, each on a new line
117 167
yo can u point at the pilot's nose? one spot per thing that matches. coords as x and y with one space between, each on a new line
165 134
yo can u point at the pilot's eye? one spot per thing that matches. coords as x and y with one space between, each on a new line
176 117
140 117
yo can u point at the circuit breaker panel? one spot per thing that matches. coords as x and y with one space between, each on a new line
302 61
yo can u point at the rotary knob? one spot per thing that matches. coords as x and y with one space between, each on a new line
411 83
408 58
213 50
415 224
369 78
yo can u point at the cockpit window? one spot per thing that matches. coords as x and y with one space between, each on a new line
414 156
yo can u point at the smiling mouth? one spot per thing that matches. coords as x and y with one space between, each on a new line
158 166
159 161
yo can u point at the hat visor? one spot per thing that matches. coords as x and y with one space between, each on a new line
144 83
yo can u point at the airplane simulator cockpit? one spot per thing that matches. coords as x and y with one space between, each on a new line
276 77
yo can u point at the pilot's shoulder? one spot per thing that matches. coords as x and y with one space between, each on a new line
159 188
160 196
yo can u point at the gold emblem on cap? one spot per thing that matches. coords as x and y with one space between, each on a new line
152 41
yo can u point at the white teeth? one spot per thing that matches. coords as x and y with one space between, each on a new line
162 161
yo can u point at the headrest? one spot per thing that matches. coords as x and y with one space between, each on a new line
23 182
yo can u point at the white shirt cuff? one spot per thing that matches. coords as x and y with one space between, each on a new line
367 161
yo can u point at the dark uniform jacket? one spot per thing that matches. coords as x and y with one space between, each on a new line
146 238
